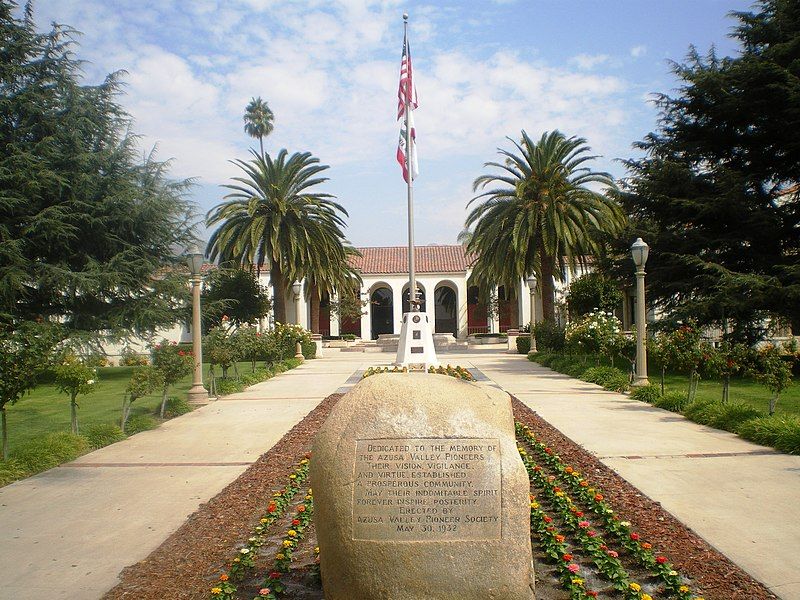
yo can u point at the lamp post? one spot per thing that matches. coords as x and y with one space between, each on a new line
198 394
532 288
639 251
296 288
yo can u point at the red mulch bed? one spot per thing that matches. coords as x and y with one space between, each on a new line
191 559
714 574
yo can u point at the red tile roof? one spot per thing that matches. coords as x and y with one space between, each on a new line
427 259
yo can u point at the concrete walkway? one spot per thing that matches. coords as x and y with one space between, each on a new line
67 533
742 498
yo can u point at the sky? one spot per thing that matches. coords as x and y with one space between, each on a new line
329 70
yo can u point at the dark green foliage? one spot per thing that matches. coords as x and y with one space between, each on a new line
549 336
236 294
673 401
244 380
103 434
85 224
593 291
716 196
646 393
782 433
523 344
137 423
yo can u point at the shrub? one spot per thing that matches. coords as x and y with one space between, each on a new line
673 401
617 383
647 393
600 375
176 407
103 434
348 336
543 358
138 423
782 433
50 451
549 336
523 344
11 470
592 291
173 364
74 378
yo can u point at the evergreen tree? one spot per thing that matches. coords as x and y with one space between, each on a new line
717 195
87 226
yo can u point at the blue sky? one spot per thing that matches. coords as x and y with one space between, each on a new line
329 70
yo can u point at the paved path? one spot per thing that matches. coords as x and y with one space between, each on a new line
742 498
68 532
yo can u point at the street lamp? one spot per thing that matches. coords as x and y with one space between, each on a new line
197 393
532 288
640 251
296 288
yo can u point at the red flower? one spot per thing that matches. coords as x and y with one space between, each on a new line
603 547
181 353
661 559
578 513
583 524
634 536
591 533
272 507
591 594
547 519
598 497
573 568
548 451
295 521
567 557
274 575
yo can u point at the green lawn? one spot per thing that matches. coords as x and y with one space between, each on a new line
746 391
46 410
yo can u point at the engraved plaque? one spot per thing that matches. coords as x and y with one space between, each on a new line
427 489
417 334
417 350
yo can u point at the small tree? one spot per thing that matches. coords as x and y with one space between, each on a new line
592 292
74 378
25 350
731 360
659 351
772 368
220 349
348 306
250 344
235 294
173 364
144 381
687 351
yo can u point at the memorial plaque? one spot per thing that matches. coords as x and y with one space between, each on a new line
427 489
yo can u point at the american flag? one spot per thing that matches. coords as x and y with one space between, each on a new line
406 88
407 93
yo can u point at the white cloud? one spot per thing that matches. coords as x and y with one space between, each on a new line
587 62
638 51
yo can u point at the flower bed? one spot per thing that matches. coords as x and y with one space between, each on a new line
457 372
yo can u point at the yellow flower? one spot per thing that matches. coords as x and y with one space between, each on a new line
647 597
292 476
287 544
304 461
216 591
577 581
683 589
316 550
534 505
280 556
675 574
559 494
292 533
636 587
237 559
264 520
309 491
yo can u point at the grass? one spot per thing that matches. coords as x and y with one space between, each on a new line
46 410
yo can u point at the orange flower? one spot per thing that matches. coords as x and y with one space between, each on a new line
301 508
646 546
559 538
598 497
223 577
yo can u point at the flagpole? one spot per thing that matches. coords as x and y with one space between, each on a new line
412 277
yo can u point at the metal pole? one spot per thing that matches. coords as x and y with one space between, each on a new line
197 393
533 320
298 353
412 277
641 331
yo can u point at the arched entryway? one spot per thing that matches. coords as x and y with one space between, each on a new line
446 309
381 312
406 295
324 319
476 312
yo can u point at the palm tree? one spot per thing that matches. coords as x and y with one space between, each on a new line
273 218
258 120
539 214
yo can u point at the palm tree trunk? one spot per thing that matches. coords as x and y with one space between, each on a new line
548 288
278 293
261 143
314 299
